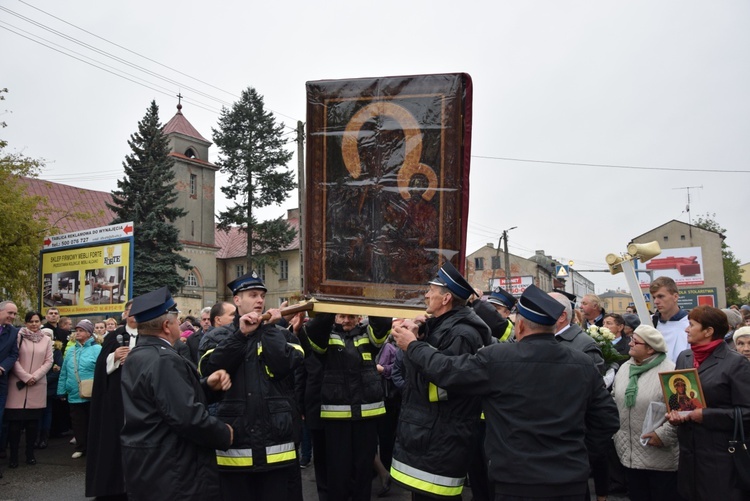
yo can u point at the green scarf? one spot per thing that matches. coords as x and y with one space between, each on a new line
635 372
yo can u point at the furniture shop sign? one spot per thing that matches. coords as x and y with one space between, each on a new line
87 272
517 284
684 266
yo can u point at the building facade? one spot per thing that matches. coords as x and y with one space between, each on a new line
486 266
692 257
195 183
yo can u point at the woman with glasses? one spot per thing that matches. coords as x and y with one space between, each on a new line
651 469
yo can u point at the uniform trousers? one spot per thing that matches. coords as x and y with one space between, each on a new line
351 448
320 459
281 484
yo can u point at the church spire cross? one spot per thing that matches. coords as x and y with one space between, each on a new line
179 101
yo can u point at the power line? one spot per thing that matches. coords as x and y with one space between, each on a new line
124 61
145 57
608 166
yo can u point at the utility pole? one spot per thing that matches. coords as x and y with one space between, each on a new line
507 259
497 260
503 238
301 200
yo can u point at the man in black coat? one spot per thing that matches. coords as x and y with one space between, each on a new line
169 441
543 402
438 429
194 340
103 460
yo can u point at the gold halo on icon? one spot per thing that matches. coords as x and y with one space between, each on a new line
688 386
413 146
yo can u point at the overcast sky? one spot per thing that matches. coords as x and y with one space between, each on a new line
662 88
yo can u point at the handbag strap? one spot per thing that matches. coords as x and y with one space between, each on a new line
75 364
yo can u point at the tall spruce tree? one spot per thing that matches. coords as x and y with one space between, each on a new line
146 196
252 153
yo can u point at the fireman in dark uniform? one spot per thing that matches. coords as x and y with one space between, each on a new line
261 358
169 441
351 398
495 312
438 429
546 405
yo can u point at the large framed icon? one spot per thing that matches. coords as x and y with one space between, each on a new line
387 185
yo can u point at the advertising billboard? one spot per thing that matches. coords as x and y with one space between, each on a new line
517 284
87 272
684 266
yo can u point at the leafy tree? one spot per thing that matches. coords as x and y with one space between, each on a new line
732 272
146 196
24 222
253 154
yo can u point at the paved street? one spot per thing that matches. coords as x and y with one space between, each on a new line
57 477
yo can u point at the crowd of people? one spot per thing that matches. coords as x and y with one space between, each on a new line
512 395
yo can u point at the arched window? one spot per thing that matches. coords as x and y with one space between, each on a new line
191 280
190 153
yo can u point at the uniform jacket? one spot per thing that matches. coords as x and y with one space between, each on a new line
211 339
8 354
351 387
627 439
34 360
706 470
575 338
541 400
168 440
437 429
501 328
260 405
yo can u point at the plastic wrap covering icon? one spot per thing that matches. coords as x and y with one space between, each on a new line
386 184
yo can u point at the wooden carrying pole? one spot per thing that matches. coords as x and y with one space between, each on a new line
317 306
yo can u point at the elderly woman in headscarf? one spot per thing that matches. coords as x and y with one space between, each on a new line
742 341
652 468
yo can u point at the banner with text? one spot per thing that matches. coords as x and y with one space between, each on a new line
517 284
89 279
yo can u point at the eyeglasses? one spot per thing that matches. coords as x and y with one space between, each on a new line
633 341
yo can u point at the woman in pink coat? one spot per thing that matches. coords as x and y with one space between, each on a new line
27 387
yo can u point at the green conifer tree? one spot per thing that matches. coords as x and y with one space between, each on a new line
146 196
253 154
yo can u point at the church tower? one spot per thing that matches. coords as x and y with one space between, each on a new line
195 185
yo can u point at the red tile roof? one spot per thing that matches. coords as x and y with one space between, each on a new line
234 243
70 198
181 125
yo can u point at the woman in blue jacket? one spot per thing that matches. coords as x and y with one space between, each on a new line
79 365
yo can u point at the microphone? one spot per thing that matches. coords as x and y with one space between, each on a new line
119 340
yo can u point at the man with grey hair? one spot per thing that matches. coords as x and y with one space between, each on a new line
573 336
545 405
8 352
194 341
593 311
